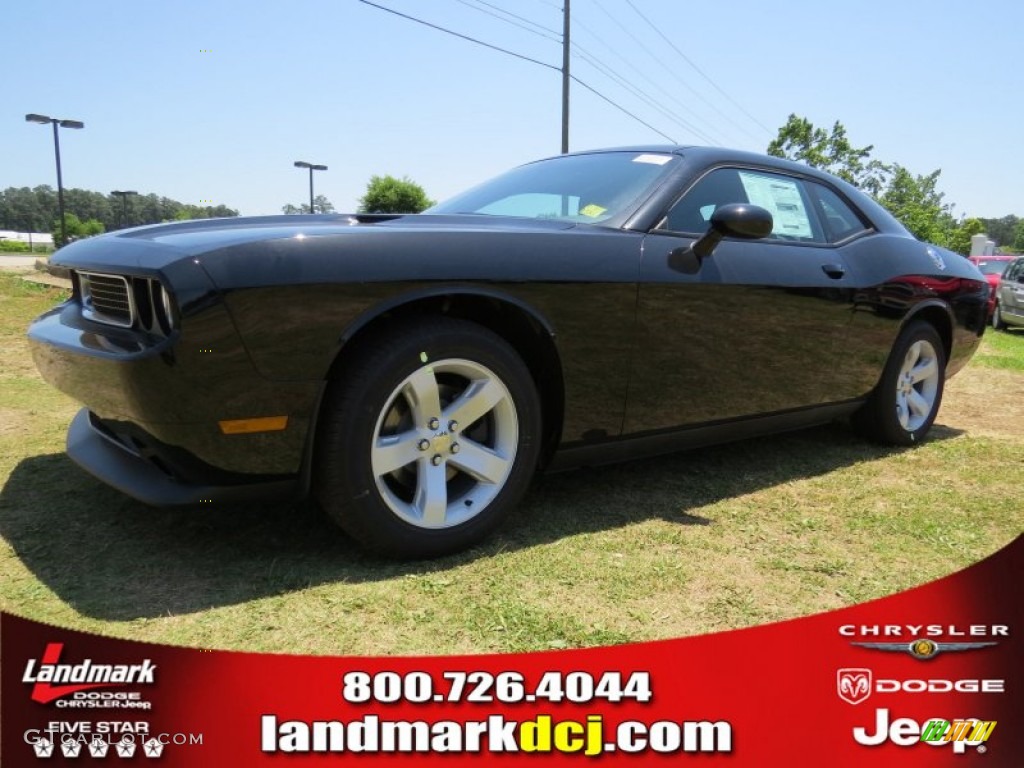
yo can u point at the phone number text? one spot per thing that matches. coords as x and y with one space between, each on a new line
388 687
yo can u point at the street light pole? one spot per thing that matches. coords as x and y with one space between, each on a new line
312 167
123 194
44 120
57 123
60 187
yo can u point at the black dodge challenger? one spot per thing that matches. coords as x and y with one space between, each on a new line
412 372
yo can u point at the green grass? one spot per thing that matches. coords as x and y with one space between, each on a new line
1002 349
693 542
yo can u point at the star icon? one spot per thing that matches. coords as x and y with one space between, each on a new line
98 747
71 748
125 748
153 748
43 748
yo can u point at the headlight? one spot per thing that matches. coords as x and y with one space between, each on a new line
163 305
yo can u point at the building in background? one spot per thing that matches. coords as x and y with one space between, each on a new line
982 246
42 240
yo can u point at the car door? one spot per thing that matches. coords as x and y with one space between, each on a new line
1011 293
759 328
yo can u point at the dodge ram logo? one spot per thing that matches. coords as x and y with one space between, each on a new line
853 685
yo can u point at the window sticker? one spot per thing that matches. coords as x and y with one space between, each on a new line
592 210
652 159
780 197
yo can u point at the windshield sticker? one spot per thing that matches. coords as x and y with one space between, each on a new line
592 210
652 159
781 197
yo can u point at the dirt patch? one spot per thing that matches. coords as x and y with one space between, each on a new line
45 278
15 422
985 401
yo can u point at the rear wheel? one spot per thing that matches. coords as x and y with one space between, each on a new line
429 440
903 406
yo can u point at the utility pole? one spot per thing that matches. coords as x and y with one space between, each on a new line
565 77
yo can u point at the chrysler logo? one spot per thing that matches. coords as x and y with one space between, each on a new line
923 648
853 684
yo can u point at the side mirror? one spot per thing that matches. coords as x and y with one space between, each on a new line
747 222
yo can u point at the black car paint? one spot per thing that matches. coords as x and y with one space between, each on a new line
637 350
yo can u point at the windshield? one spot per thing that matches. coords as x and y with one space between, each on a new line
993 267
585 188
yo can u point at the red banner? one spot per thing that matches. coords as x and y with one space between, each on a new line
929 677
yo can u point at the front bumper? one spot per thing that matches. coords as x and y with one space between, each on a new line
157 474
178 389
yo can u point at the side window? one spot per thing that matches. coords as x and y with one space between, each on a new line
838 218
782 196
786 200
693 212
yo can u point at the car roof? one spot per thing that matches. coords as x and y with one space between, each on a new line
712 156
715 155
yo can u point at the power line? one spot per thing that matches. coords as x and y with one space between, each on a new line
622 109
521 18
644 46
695 67
642 95
556 39
459 34
518 56
653 83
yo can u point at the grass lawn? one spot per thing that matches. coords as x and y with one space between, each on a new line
684 544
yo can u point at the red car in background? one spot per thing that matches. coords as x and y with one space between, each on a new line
992 267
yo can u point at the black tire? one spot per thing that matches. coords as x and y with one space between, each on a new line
997 318
378 416
895 413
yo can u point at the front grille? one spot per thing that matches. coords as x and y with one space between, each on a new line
106 299
127 302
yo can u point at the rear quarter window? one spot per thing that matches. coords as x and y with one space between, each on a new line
840 220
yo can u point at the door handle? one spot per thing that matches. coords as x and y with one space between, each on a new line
835 271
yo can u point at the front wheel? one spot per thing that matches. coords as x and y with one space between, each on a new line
903 406
430 439
997 318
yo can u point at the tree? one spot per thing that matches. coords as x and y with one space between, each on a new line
830 151
916 203
913 200
1002 231
32 210
76 228
1018 241
960 237
27 210
386 194
320 205
189 211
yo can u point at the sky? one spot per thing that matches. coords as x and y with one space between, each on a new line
211 101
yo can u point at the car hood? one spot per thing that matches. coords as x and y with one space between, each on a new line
154 246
